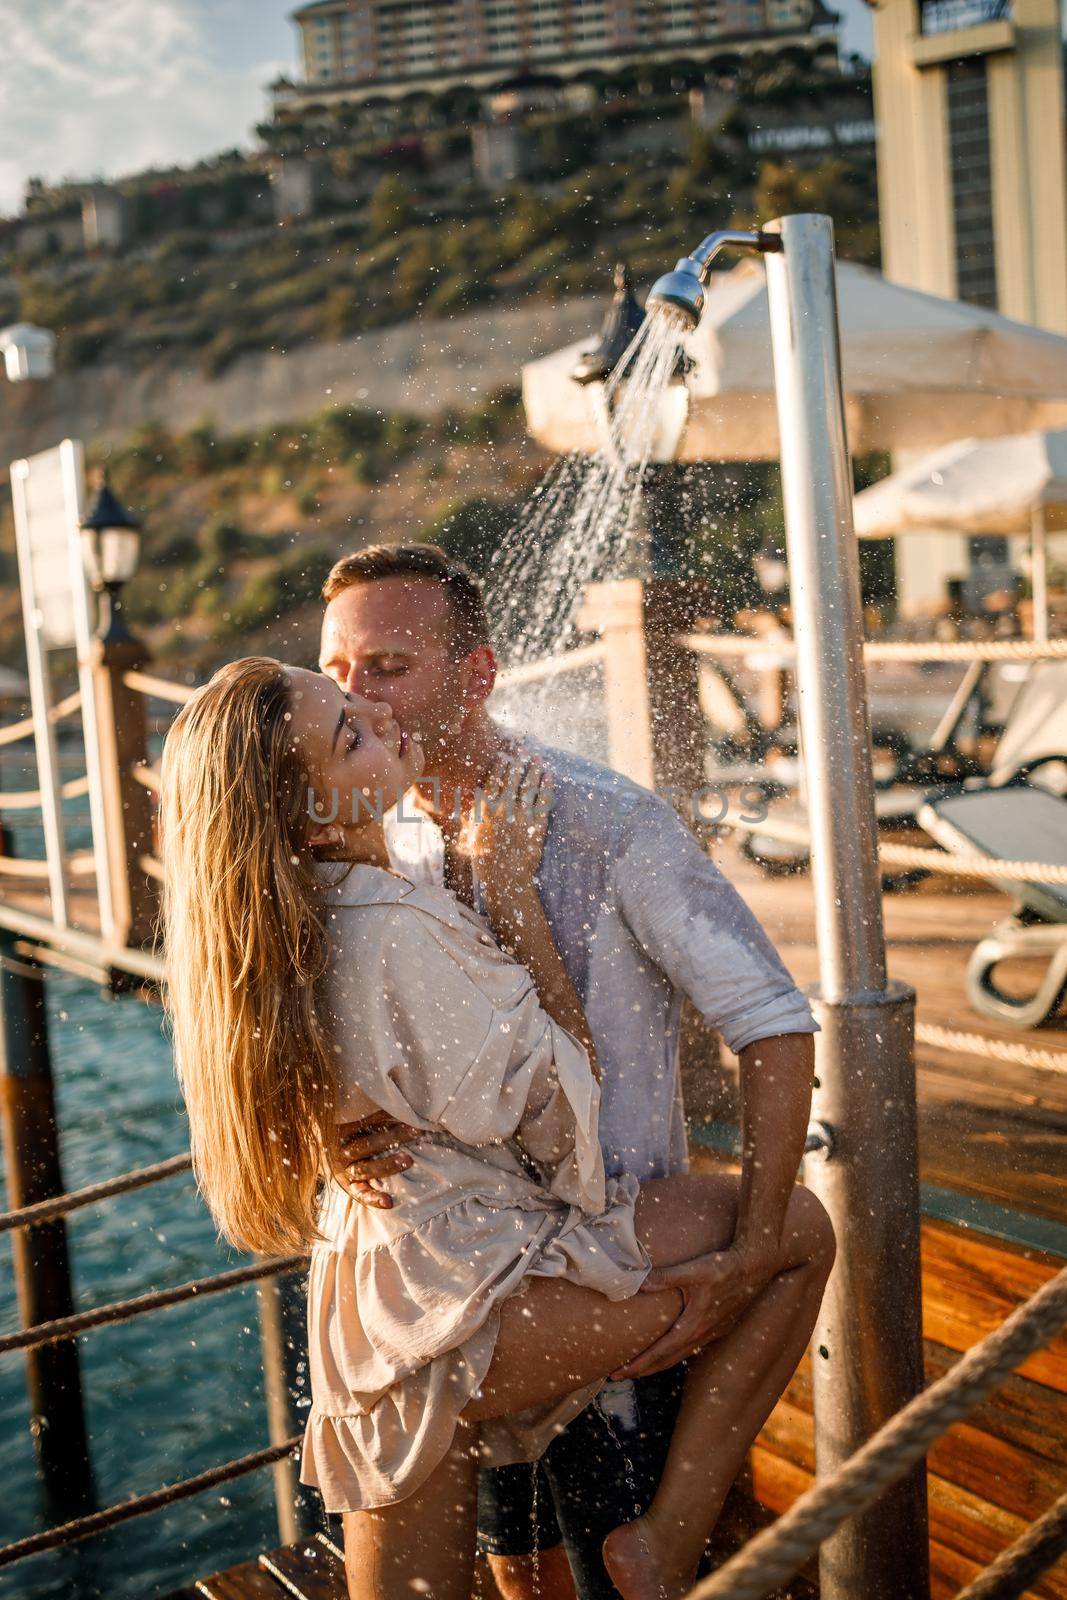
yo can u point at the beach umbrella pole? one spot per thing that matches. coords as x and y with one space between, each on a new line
1039 574
867 1349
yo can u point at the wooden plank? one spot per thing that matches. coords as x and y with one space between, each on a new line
954 1518
248 1581
742 1518
971 1283
985 1152
1026 1417
980 1531
308 1570
1019 1479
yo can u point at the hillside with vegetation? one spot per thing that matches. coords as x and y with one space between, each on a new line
404 228
240 531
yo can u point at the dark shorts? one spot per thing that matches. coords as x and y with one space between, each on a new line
602 1470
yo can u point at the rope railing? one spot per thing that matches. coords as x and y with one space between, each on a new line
140 1505
156 1300
152 867
586 655
774 1556
1015 1569
24 729
81 864
965 864
734 644
29 799
148 777
123 1183
978 1044
159 688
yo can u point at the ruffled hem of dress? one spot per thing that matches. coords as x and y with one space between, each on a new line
385 1451
381 1315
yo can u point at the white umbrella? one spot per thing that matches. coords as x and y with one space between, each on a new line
1012 485
918 370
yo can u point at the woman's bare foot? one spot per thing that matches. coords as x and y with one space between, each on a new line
638 1565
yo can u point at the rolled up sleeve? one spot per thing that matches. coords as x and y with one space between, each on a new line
690 920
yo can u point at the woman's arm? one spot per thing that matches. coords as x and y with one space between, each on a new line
507 847
520 924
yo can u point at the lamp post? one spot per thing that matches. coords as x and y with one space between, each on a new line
111 543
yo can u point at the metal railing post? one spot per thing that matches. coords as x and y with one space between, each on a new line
283 1341
868 1359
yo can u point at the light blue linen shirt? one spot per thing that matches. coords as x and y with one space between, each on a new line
642 918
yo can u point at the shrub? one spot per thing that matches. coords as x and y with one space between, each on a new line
473 529
391 208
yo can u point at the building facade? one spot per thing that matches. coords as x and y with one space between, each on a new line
353 48
972 185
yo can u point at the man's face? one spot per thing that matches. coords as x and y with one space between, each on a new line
391 640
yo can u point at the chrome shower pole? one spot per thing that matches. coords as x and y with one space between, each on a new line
868 1357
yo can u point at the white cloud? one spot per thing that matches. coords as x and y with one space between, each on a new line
104 87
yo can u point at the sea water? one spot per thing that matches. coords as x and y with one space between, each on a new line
172 1392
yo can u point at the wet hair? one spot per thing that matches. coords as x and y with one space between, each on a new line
470 624
246 944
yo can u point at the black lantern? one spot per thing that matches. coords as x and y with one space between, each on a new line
111 545
625 316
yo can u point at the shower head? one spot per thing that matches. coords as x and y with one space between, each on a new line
681 289
684 287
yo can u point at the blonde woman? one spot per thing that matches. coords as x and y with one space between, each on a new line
312 986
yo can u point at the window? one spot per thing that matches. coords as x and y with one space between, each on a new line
972 182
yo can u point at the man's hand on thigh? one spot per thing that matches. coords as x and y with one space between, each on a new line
717 1289
546 1576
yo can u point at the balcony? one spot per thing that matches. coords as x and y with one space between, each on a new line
952 30
947 16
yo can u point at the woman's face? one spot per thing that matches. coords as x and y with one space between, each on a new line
358 761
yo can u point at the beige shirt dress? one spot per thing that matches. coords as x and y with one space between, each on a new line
436 1025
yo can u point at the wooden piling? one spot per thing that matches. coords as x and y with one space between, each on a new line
126 803
41 1259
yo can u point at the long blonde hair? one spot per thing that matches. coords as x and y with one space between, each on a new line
245 948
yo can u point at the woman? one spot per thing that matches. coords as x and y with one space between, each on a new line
310 986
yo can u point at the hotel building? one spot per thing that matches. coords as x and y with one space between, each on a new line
972 185
353 49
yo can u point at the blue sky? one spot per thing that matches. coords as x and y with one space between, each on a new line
106 87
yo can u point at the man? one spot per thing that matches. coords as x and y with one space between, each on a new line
642 918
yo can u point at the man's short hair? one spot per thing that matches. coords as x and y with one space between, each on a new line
470 624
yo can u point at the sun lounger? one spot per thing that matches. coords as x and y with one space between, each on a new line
1012 822
1033 744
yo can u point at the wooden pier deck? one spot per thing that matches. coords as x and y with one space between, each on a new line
992 1141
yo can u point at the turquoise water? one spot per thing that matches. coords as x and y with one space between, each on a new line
171 1393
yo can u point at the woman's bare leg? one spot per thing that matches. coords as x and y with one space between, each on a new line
558 1337
422 1546
732 1385
731 1388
